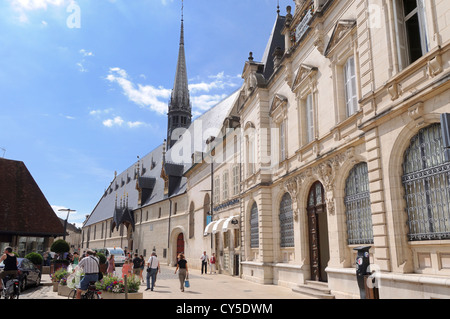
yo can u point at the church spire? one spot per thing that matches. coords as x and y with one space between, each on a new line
179 115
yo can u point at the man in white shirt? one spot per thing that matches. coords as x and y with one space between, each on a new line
205 262
90 266
152 270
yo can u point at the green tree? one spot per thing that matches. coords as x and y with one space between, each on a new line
60 247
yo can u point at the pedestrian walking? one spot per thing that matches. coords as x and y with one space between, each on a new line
137 265
126 268
111 265
182 269
152 270
205 262
76 258
212 262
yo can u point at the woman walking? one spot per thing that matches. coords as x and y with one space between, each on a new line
183 270
111 265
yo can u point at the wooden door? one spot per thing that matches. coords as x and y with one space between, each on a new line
316 206
180 244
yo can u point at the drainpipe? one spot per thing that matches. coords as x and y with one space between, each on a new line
212 201
168 232
241 213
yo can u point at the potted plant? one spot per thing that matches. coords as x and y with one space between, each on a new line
60 247
113 287
36 259
59 276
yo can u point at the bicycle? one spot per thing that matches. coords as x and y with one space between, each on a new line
11 288
91 293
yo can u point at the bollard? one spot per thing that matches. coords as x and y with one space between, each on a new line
362 265
126 286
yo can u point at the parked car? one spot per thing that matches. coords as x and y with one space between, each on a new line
29 274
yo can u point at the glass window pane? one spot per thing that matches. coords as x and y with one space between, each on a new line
254 227
426 180
357 204
286 222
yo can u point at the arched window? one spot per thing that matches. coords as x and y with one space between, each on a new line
286 222
206 210
357 206
426 181
254 227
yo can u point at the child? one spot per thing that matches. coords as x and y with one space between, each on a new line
126 269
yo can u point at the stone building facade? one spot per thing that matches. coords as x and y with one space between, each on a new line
356 98
335 140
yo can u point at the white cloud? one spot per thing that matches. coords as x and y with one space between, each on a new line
135 124
157 99
99 112
219 82
22 6
35 4
81 65
143 95
119 121
86 53
113 122
205 102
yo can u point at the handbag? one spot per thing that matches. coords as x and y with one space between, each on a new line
186 282
100 274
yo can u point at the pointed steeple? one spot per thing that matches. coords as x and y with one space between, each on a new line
179 115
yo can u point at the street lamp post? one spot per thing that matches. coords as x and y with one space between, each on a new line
68 210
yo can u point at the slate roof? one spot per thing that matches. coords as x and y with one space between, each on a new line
24 210
276 40
178 160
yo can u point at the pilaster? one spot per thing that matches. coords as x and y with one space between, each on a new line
377 200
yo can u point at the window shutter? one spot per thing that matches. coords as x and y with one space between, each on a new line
423 26
350 86
283 140
309 118
400 34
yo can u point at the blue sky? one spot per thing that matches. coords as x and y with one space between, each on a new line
84 85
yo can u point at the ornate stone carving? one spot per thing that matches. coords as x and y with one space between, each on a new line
435 66
325 172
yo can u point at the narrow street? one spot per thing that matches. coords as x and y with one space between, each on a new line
210 286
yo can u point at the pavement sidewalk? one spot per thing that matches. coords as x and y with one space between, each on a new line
210 286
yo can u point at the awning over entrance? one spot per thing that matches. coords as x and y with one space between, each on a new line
231 223
208 228
223 224
218 225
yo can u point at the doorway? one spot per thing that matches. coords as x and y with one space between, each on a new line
318 232
180 244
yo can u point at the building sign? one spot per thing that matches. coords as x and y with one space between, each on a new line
303 25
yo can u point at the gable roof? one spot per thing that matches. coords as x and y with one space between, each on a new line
146 172
276 40
24 210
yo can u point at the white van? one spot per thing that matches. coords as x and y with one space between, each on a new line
118 252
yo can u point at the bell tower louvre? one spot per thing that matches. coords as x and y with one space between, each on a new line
180 111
